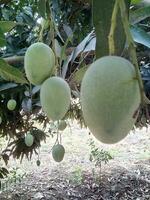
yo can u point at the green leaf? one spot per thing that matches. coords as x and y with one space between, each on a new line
140 36
139 14
102 13
5 171
2 39
7 86
42 8
135 1
10 73
6 26
78 76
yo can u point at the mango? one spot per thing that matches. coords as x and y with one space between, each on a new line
39 63
55 98
110 98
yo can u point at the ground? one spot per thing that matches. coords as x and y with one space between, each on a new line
125 177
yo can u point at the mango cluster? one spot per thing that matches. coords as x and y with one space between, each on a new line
55 94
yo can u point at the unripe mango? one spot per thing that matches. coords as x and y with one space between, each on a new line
39 63
58 152
29 139
110 97
55 98
11 104
38 162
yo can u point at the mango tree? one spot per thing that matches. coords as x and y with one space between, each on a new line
113 35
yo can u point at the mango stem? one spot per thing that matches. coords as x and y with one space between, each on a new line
132 49
112 28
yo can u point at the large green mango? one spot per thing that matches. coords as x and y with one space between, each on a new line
39 63
110 97
55 97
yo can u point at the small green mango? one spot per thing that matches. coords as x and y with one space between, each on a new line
38 162
58 152
11 104
29 139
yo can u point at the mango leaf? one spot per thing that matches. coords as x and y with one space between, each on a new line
42 8
102 13
135 1
2 39
27 105
36 89
87 44
67 30
78 76
140 36
5 158
10 73
58 48
139 14
6 26
5 171
7 86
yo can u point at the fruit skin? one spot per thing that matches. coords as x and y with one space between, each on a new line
55 97
110 96
62 125
11 104
58 152
38 162
29 139
39 63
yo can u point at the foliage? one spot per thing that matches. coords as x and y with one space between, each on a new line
98 156
73 17
77 176
15 176
3 172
